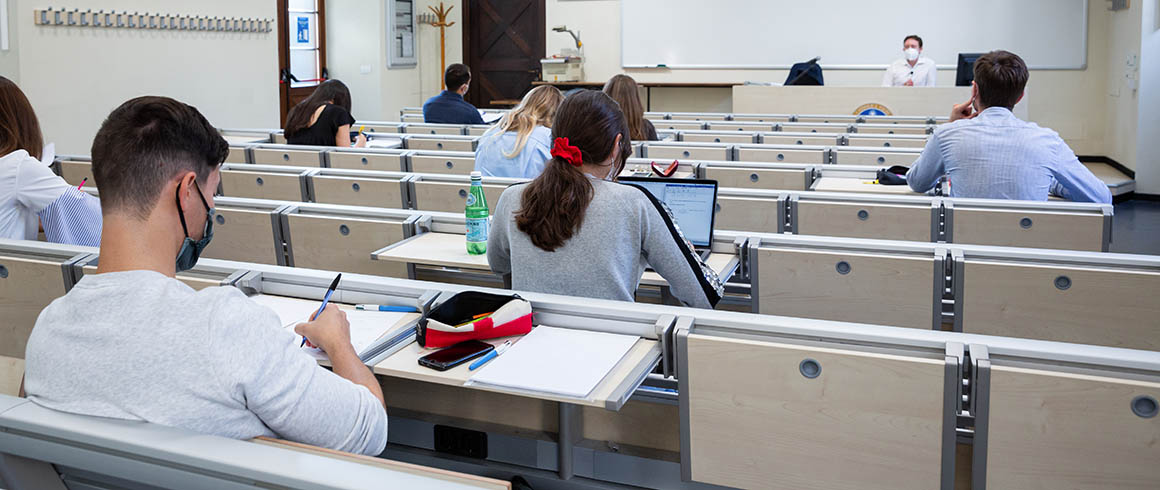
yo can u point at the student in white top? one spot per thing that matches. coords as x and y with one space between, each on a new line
914 70
29 191
132 342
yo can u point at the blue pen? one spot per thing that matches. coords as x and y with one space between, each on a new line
325 299
489 356
396 309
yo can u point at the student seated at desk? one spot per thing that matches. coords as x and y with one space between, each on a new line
624 90
527 131
31 196
573 231
449 107
987 152
323 119
132 342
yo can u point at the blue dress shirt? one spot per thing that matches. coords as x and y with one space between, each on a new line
998 156
449 108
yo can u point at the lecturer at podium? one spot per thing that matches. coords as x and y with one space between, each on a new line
913 70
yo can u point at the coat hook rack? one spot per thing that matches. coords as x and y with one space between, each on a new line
113 19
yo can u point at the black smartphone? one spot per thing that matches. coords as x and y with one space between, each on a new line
455 355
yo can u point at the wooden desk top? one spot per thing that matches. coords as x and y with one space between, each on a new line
405 364
852 184
449 250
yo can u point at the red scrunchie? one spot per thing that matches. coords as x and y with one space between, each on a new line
567 152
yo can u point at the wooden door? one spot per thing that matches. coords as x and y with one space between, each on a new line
503 45
301 51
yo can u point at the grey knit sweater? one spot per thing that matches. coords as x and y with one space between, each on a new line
624 229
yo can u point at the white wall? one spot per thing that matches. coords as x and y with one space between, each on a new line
10 59
356 37
1148 163
75 76
1072 102
1122 97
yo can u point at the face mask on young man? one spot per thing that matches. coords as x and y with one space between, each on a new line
911 54
190 250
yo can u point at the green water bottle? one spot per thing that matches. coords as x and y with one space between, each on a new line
476 212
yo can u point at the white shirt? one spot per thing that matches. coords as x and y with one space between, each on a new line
27 186
923 73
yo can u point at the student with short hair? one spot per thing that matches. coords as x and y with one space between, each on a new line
31 195
323 118
574 231
132 342
624 90
449 107
913 69
522 141
987 152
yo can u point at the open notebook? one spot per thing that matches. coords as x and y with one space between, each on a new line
373 334
558 361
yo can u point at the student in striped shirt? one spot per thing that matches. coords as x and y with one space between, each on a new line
31 195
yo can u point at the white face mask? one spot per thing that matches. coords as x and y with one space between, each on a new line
911 54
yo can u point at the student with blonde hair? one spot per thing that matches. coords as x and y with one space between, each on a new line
521 142
624 90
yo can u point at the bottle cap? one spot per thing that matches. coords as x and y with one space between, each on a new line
476 175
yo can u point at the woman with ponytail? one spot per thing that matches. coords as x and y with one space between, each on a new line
574 231
520 144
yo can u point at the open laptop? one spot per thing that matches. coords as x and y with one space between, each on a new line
692 201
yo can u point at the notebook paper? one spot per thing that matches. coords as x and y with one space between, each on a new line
366 327
558 361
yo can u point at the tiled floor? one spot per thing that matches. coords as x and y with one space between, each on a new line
1136 228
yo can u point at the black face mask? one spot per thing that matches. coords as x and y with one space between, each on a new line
190 250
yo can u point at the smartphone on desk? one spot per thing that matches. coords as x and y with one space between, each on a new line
455 355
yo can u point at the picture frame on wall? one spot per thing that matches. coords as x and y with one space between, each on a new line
402 38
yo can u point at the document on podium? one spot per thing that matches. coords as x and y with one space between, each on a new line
558 361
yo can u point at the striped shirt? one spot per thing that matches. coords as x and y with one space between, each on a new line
998 156
73 218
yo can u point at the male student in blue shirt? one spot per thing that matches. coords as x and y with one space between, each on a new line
449 107
987 152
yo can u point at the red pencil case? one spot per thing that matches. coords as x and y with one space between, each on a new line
453 321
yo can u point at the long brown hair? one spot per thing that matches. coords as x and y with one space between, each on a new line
553 205
624 90
19 129
330 91
537 109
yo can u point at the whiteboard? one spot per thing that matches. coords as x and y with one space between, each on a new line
848 34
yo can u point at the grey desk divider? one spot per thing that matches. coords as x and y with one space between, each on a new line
335 237
827 118
695 151
386 160
791 138
1051 224
772 118
881 156
880 282
440 142
893 129
32 274
265 181
815 127
718 136
751 210
1082 297
678 125
741 126
839 214
698 116
748 175
432 128
642 167
448 193
293 155
247 230
360 187
884 140
442 162
788 153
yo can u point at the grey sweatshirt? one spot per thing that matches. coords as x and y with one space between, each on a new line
624 229
141 346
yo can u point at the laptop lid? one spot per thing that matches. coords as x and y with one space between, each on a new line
692 201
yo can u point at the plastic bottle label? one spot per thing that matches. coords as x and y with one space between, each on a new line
477 229
471 199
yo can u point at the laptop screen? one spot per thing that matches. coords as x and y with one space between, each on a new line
692 202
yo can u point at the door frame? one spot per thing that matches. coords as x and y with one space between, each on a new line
285 92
